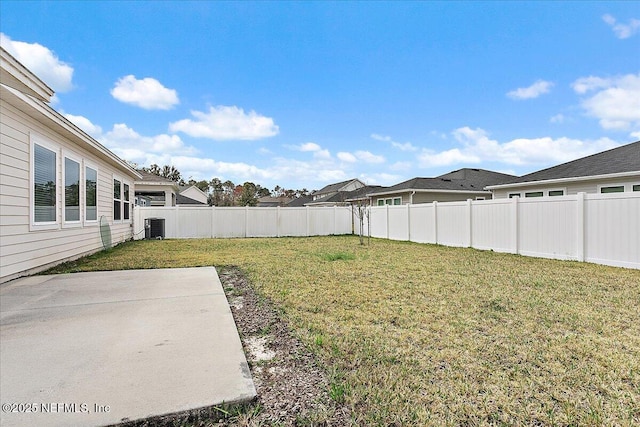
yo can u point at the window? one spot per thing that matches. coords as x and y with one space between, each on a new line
71 190
534 194
556 193
397 201
125 202
44 184
117 200
636 187
480 198
387 201
512 195
380 202
90 194
614 189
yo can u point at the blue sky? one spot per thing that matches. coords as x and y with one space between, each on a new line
305 94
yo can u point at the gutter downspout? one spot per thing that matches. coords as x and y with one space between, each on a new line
411 197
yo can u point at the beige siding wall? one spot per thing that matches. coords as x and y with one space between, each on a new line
572 188
430 197
23 248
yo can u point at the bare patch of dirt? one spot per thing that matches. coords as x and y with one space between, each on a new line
292 389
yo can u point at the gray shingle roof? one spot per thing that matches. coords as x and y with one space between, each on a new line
616 160
459 180
334 187
149 177
184 200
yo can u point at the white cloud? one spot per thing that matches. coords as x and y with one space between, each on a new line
322 154
147 93
622 31
635 135
407 146
130 145
380 178
309 146
42 62
477 147
85 124
535 90
615 101
369 157
226 123
401 166
360 155
558 118
347 157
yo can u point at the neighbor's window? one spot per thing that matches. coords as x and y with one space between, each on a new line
397 201
125 201
91 194
556 193
636 187
71 190
512 195
614 189
44 184
380 202
117 200
388 201
534 194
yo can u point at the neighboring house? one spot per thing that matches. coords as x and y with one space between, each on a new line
334 194
160 191
612 171
268 201
184 200
57 184
454 186
194 193
299 202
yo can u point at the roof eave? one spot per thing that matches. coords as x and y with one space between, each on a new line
423 190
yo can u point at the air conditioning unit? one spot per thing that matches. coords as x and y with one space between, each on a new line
154 228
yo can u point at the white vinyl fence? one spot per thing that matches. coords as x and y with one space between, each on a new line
598 228
225 222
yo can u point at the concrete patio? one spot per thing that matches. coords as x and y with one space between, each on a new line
98 348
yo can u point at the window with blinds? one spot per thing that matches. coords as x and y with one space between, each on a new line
44 183
71 190
125 202
91 194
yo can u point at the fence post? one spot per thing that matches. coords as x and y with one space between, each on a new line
308 222
408 222
435 221
580 227
470 222
335 219
387 219
213 222
246 221
277 221
515 225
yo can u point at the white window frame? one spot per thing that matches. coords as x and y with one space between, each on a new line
380 202
532 192
67 154
480 198
635 185
512 195
90 222
43 142
122 202
564 191
394 201
601 186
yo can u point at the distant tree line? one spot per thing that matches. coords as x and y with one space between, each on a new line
226 193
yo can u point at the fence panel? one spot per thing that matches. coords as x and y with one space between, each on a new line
492 225
292 222
612 229
547 227
230 222
262 222
421 223
378 220
192 222
453 224
398 222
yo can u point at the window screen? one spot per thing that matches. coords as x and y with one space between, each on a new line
90 194
44 183
71 190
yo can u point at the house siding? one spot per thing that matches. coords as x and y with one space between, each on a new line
571 188
26 250
429 197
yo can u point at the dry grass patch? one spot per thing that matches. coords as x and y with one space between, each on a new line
428 335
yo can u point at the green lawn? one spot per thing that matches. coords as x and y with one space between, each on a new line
417 334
